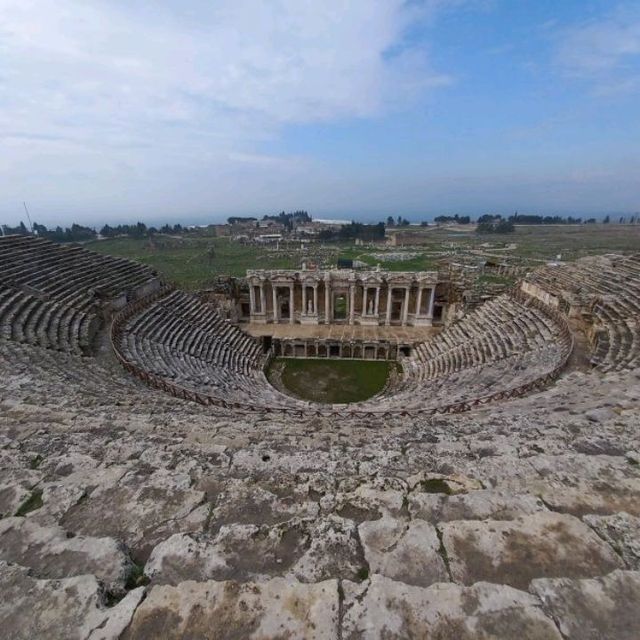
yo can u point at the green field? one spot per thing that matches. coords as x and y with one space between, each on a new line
330 381
193 261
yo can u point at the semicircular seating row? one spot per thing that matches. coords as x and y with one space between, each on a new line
184 341
500 346
50 294
48 298
610 286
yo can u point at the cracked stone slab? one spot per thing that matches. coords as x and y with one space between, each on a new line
515 552
119 617
69 483
309 551
245 503
334 552
51 554
140 509
236 552
16 487
477 505
371 499
384 609
594 608
622 532
404 551
604 497
65 609
279 608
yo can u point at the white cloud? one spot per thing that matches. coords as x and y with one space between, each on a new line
252 63
604 51
112 89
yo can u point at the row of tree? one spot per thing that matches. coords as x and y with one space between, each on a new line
519 218
74 233
80 233
495 224
353 231
288 220
622 219
139 230
486 224
457 219
401 222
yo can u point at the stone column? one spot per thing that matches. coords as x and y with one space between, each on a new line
389 296
377 305
405 306
315 298
252 299
327 301
263 300
431 301
352 300
274 291
364 300
291 309
304 299
419 301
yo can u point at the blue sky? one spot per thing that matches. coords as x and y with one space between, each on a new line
195 110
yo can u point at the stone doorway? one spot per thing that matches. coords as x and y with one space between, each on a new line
340 306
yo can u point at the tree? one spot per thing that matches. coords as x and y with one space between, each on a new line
390 221
499 226
606 220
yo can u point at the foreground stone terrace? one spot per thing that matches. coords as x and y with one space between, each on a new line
128 513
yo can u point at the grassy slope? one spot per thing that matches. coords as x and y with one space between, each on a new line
334 381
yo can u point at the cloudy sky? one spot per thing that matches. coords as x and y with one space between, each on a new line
193 110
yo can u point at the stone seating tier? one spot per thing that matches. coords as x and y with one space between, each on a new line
608 289
51 294
499 348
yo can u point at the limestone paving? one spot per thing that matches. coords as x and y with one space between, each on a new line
272 526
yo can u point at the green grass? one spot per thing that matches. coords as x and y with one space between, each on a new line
421 262
331 381
33 502
186 261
